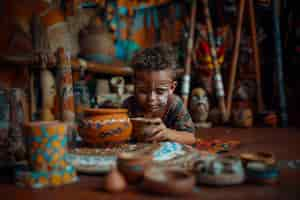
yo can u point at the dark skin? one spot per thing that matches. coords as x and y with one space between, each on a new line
152 91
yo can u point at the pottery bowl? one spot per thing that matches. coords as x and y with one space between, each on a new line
133 165
265 157
260 172
142 127
168 181
104 126
220 171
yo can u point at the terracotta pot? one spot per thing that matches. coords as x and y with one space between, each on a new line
46 144
100 126
96 43
133 165
57 33
169 182
142 127
242 117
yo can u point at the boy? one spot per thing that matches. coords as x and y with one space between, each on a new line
154 87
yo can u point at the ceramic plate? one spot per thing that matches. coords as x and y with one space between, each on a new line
97 160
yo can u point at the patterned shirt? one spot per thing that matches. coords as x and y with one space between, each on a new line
176 116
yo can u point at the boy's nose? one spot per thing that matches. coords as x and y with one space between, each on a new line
151 96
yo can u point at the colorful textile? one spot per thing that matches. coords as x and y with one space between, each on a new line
216 145
176 116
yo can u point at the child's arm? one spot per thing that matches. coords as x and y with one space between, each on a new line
163 133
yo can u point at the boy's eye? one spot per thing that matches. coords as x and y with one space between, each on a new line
161 90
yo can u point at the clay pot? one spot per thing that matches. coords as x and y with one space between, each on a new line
142 127
267 119
46 144
169 182
100 126
57 33
262 173
96 43
133 165
242 117
115 181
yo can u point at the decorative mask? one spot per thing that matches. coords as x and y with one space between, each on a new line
199 105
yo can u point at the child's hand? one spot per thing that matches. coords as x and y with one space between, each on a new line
158 133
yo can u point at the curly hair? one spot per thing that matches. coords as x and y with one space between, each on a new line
158 57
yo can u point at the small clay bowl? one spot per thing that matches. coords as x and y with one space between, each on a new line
221 172
261 173
168 181
142 127
265 157
133 165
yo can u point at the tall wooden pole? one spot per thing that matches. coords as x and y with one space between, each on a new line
185 90
279 64
256 57
235 57
218 76
65 87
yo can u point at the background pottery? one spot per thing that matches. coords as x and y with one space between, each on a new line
169 182
221 172
259 172
100 126
265 157
115 181
133 165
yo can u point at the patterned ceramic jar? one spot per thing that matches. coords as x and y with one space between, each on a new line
101 126
46 145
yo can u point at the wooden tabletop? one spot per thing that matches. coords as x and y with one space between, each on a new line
284 143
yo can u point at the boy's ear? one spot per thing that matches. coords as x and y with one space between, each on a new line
173 86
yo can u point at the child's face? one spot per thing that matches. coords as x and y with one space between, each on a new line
152 89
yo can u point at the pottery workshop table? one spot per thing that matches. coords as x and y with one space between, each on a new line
284 143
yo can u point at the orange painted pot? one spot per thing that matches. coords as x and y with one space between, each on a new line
102 126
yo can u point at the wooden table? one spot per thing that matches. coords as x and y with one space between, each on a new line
285 143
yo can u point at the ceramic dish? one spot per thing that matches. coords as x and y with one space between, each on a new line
100 160
262 173
220 171
168 181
